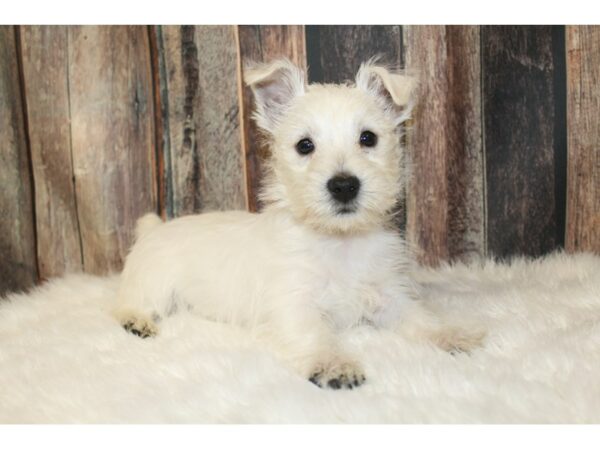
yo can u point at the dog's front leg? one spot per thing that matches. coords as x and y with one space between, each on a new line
301 335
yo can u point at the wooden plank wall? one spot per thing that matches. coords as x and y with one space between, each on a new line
525 138
99 125
18 265
446 214
112 138
203 163
583 106
45 50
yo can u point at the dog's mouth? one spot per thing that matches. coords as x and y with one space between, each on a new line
344 210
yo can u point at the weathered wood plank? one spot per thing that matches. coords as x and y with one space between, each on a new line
45 73
445 198
336 51
204 167
523 122
583 103
112 138
17 232
261 43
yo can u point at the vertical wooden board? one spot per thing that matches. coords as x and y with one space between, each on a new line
583 103
524 142
262 43
45 73
17 233
112 138
204 165
445 198
335 52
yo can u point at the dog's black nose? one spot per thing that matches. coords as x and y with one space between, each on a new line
344 187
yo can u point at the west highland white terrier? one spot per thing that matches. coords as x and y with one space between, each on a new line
322 256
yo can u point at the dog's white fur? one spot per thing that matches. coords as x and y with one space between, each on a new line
300 270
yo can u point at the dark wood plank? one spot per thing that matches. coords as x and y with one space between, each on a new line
445 196
45 73
17 231
335 52
204 167
112 138
524 138
261 43
583 103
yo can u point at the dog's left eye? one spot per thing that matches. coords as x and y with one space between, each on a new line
368 139
305 146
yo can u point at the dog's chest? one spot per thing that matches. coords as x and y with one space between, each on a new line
350 277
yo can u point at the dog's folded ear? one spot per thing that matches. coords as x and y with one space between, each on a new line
394 89
274 85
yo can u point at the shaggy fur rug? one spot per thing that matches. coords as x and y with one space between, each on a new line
64 359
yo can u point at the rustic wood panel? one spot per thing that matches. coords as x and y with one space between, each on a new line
45 71
445 197
523 122
583 102
17 234
204 167
336 51
261 43
99 125
112 138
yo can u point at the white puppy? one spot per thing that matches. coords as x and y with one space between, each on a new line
322 255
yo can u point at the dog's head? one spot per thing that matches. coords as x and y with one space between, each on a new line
336 160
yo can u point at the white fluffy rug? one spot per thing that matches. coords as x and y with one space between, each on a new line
64 359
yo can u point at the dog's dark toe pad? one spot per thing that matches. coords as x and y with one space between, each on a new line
315 380
334 383
143 333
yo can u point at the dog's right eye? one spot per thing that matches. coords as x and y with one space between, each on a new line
305 146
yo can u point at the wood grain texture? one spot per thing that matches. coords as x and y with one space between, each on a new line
45 73
445 197
204 167
262 43
112 138
583 103
17 232
523 145
335 52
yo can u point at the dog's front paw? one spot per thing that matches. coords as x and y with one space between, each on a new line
337 374
137 324
141 329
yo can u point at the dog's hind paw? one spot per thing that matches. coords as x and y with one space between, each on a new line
337 375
